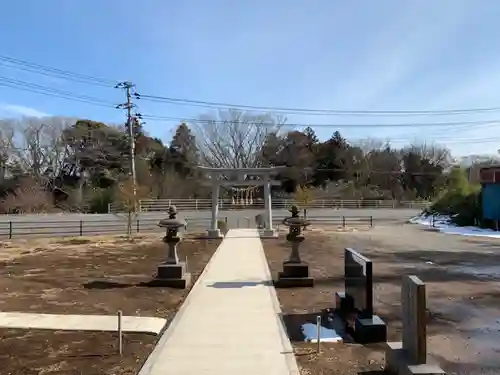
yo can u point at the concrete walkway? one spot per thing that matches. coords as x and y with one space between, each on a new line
229 323
137 324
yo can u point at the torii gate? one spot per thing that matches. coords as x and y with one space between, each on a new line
240 173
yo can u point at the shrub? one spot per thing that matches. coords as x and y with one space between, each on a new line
222 226
100 199
460 199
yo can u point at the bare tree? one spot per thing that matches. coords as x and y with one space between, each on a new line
368 145
40 150
6 147
435 154
28 197
129 196
233 138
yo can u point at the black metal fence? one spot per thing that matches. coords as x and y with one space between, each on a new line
59 228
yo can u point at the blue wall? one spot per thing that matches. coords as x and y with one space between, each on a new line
491 201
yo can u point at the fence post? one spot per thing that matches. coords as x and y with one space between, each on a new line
196 204
109 208
323 203
10 229
343 221
138 226
120 333
371 221
169 202
81 228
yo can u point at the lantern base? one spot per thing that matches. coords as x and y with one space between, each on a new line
295 269
295 274
172 275
293 282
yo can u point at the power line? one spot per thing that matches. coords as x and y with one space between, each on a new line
337 125
78 77
68 95
54 72
315 112
48 91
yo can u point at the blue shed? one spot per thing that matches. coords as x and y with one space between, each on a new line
490 182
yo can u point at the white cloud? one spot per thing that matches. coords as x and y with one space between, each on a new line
9 110
407 42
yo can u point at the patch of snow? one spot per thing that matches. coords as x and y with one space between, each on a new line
443 224
326 334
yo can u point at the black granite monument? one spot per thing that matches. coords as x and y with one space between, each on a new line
357 299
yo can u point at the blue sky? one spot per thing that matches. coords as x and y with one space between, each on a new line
347 55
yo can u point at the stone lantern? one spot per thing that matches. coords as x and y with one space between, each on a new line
295 271
173 272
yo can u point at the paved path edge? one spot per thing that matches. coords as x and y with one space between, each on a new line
100 321
289 353
169 328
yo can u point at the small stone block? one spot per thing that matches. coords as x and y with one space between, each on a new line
293 282
425 369
295 269
370 330
171 271
393 356
214 234
344 304
181 283
396 362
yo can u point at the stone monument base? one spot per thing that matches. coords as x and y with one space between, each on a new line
344 305
214 234
172 275
294 275
366 330
370 330
396 362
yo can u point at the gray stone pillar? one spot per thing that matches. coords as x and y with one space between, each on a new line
214 232
215 205
267 205
268 231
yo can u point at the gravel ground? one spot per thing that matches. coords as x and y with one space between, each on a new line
462 275
86 276
463 289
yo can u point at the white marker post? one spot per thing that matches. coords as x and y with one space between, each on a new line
186 263
318 332
120 335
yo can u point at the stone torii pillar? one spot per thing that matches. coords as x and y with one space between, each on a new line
238 179
269 230
214 231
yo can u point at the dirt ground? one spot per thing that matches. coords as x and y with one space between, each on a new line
87 276
462 275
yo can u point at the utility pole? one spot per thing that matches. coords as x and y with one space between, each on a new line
128 86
